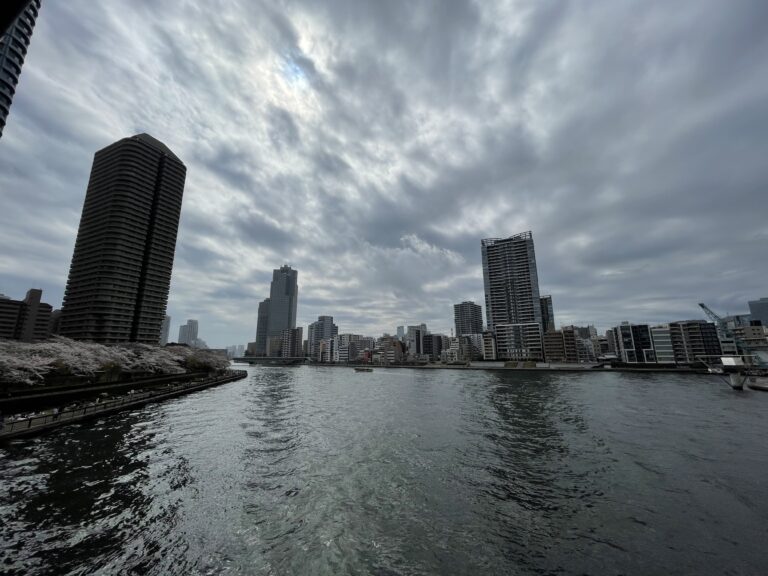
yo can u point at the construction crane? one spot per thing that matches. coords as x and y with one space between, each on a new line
723 329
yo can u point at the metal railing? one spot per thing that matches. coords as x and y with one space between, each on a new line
109 405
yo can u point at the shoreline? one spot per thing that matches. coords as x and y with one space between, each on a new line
43 423
562 368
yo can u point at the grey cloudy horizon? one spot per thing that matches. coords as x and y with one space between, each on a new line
371 145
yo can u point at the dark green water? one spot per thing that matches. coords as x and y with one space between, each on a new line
327 471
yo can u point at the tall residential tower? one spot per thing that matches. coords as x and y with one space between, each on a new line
323 329
512 302
14 43
468 318
120 274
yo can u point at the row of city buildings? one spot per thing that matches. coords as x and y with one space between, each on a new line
119 279
519 326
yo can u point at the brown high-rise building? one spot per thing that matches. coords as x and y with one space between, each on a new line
120 275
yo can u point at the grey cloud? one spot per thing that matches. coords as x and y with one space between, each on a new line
283 130
629 138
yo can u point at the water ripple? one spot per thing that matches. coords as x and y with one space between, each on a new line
326 471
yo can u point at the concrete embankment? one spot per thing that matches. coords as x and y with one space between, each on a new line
37 398
43 423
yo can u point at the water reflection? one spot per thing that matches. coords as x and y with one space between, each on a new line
98 473
325 471
524 445
85 496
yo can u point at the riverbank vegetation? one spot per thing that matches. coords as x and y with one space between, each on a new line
60 361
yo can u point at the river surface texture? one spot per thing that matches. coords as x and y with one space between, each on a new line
312 470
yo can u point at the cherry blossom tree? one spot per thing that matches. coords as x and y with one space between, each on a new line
24 363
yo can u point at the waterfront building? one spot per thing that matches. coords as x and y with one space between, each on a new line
276 313
568 346
758 310
400 333
389 350
585 350
511 285
275 346
468 318
414 339
728 345
322 329
291 340
662 344
600 346
554 346
28 320
633 343
451 354
14 43
489 345
611 339
511 281
262 321
283 299
754 336
188 333
432 346
736 320
345 347
165 330
366 343
547 314
571 337
118 283
327 350
471 346
692 339
586 332
519 341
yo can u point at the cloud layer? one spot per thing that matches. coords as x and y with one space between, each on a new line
371 145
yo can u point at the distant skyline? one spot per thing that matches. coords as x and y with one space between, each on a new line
372 145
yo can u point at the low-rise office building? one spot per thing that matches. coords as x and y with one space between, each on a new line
694 339
633 343
662 343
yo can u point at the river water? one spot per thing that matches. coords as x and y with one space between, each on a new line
311 470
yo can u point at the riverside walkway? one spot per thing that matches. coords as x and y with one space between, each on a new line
42 423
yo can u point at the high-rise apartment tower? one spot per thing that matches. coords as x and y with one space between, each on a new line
117 290
468 318
547 314
14 43
262 321
511 280
323 329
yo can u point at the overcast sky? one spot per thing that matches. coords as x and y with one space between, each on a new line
372 144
